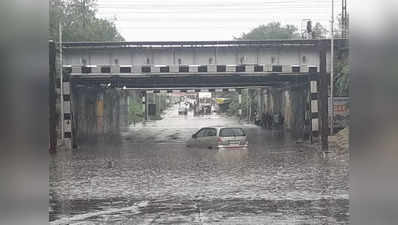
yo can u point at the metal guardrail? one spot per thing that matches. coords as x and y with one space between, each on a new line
175 69
167 44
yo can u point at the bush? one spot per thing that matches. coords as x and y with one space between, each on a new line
136 112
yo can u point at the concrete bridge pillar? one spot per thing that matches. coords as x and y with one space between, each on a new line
85 103
96 112
124 109
273 100
261 101
111 111
100 113
294 109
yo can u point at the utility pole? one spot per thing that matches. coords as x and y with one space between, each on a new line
240 104
344 20
52 97
61 81
323 97
305 24
331 72
84 13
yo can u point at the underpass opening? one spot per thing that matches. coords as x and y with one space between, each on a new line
107 110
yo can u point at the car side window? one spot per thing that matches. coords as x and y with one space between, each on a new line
212 132
201 133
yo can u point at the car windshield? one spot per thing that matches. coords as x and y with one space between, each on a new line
232 132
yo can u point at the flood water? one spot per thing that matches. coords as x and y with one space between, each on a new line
149 176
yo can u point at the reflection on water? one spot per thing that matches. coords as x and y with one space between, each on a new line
233 155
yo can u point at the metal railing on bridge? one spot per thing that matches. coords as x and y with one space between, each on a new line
175 69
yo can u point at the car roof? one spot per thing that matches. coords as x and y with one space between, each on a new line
222 127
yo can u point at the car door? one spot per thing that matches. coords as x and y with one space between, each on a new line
196 141
210 138
201 137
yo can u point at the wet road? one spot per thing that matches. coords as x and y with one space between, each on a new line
149 176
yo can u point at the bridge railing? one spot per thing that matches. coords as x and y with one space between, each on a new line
175 69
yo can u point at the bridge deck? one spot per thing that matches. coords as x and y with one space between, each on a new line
159 81
168 76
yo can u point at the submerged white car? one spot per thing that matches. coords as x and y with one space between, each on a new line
219 138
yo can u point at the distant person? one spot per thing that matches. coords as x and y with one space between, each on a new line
264 120
269 120
276 120
257 119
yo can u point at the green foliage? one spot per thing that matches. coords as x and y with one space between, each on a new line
319 32
233 107
338 31
248 98
272 30
343 77
136 112
79 22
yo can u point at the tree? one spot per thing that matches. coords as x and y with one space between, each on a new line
343 77
319 32
79 22
338 31
273 30
136 113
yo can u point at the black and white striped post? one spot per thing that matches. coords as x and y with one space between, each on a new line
240 104
314 108
67 112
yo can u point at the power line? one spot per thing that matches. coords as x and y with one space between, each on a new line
220 15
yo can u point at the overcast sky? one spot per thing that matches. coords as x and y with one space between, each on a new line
184 20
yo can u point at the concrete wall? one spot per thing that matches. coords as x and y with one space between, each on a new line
124 109
293 110
291 103
194 56
97 112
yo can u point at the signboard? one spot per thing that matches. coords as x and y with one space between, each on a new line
204 94
341 111
222 100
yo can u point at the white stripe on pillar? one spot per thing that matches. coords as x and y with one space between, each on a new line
315 124
314 88
231 68
66 88
314 106
67 107
76 69
68 125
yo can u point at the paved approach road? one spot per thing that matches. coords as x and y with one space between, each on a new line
149 176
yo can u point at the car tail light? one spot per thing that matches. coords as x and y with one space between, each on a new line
219 140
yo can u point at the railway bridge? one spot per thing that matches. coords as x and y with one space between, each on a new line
96 76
